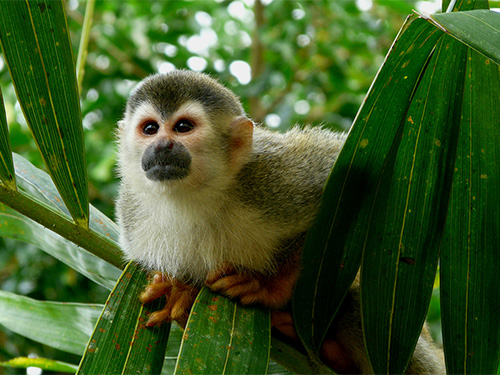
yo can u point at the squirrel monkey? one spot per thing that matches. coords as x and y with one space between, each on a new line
208 198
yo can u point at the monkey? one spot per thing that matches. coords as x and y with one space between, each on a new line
209 198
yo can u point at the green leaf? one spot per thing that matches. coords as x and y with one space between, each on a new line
37 49
39 185
64 326
409 209
222 337
478 29
469 253
174 344
38 199
7 176
464 5
121 342
17 226
295 360
334 245
42 363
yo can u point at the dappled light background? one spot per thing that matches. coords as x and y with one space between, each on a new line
306 62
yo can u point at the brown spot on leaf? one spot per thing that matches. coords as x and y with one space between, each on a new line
408 260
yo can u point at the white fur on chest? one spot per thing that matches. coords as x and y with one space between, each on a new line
189 239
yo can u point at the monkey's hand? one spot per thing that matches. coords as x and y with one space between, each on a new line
272 291
180 299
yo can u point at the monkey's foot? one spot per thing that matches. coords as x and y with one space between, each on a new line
180 299
255 288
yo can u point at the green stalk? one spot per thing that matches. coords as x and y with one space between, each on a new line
89 240
84 42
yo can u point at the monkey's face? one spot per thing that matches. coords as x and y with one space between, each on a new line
183 150
166 159
182 132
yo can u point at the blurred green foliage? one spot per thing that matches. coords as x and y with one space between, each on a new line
309 61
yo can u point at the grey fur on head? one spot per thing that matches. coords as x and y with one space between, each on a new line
167 92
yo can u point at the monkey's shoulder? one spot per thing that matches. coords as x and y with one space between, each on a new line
286 172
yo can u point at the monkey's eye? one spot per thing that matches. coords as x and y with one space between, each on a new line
150 128
183 126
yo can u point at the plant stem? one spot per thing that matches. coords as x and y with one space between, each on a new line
84 42
92 241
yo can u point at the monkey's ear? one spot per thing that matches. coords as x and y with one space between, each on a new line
241 141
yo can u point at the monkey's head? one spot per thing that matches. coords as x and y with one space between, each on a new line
182 130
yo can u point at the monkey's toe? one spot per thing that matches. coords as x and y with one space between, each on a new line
225 270
235 285
154 291
250 289
180 299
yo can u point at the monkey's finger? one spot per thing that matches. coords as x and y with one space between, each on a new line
235 285
158 278
155 291
181 308
337 357
283 322
271 299
158 317
226 269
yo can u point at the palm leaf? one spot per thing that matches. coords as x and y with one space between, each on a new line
42 363
401 255
334 245
38 199
20 227
121 342
36 45
7 176
222 337
469 253
64 326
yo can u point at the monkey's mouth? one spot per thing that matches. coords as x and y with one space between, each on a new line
166 172
165 160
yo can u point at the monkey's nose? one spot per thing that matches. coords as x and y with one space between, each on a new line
163 144
166 160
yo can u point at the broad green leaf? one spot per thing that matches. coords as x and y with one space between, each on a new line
38 199
295 360
222 337
35 40
409 209
39 185
478 29
463 5
17 226
64 326
333 249
469 254
7 176
42 363
174 343
121 342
